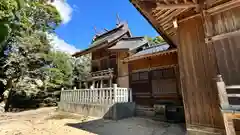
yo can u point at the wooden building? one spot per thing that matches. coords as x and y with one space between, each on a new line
206 34
107 51
154 75
154 79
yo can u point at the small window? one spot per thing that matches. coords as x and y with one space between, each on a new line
143 75
135 76
168 73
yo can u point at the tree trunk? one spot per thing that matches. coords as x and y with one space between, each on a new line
7 99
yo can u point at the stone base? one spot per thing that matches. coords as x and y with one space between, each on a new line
113 111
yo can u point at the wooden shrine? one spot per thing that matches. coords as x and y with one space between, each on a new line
206 34
154 79
108 50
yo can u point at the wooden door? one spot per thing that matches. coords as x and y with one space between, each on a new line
141 87
164 82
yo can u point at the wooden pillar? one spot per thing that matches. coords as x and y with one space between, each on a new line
110 81
93 84
80 85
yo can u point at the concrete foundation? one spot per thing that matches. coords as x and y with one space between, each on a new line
115 111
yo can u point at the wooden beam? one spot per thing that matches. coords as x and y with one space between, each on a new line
175 6
224 7
175 23
159 12
222 36
168 26
222 93
176 1
151 19
233 95
233 87
189 17
229 126
164 14
166 1
194 1
171 16
204 130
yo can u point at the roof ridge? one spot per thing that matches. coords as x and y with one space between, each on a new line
164 43
109 32
129 38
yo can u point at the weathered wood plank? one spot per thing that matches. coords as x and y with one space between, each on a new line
229 126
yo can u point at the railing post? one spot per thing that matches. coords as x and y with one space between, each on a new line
115 93
74 94
130 94
222 93
223 98
62 98
110 95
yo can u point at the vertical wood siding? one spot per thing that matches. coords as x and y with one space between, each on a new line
228 49
123 78
157 61
148 86
197 69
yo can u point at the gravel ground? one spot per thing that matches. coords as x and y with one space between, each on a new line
48 121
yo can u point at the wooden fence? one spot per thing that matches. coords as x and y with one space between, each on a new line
229 111
97 95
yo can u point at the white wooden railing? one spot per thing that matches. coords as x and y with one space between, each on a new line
97 95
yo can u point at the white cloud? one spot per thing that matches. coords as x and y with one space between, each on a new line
64 9
60 45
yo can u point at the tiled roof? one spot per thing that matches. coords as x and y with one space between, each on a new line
111 35
153 49
160 49
108 37
130 43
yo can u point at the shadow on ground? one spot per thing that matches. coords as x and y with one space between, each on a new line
131 126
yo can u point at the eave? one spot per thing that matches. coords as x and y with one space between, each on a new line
167 52
154 24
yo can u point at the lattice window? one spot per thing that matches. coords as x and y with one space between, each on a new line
163 73
164 81
95 66
164 86
104 64
135 76
143 75
139 76
113 63
168 73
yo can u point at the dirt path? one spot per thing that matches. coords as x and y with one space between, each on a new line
47 121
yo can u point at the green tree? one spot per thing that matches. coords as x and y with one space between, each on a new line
158 40
155 41
81 69
60 70
24 48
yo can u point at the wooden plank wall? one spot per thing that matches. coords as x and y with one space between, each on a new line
145 86
228 49
197 68
157 61
123 78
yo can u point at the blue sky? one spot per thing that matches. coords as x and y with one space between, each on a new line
80 17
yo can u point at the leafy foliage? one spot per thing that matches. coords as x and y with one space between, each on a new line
81 69
24 44
60 69
155 41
